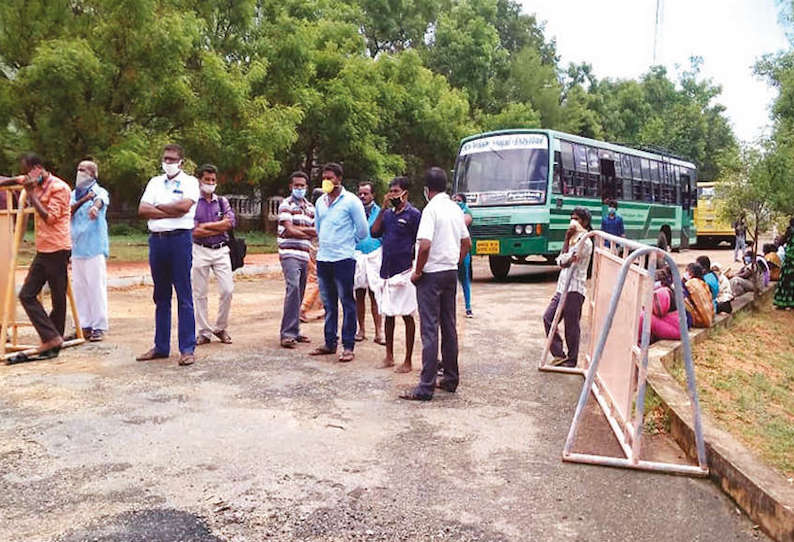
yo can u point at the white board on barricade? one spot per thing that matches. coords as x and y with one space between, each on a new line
616 377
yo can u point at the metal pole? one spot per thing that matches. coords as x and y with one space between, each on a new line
688 365
642 374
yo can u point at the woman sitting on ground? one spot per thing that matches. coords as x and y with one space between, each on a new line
773 261
725 294
710 278
697 296
744 281
664 318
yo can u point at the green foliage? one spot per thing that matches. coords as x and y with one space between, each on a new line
263 87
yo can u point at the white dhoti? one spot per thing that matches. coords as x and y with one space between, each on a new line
397 295
90 289
368 270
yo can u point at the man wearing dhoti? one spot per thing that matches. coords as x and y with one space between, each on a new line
396 226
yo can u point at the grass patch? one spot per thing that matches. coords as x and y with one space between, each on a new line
133 245
745 377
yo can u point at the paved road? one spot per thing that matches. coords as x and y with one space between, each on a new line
255 442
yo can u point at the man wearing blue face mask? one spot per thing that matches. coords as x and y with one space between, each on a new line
612 222
295 234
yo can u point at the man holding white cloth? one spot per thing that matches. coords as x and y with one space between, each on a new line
90 244
396 226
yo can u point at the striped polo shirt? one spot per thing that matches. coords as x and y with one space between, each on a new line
300 213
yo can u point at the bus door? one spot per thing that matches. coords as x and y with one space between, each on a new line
609 189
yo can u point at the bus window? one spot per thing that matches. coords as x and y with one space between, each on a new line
568 168
655 181
685 190
609 186
580 156
593 176
556 181
647 190
677 185
636 175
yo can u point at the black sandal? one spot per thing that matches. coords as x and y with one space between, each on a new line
412 395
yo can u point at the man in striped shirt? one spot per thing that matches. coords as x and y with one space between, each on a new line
295 234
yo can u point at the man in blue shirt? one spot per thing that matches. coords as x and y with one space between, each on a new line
396 226
612 222
368 259
340 223
89 230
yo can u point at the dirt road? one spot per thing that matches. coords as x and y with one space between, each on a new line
255 442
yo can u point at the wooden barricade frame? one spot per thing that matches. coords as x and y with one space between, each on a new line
615 368
13 223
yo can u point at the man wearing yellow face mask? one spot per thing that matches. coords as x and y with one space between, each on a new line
341 223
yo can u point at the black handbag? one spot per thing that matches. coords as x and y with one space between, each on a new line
237 250
237 247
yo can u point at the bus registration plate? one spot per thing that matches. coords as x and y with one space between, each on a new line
487 246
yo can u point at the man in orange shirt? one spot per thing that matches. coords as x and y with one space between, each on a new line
50 197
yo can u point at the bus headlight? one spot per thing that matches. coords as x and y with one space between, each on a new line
518 229
528 229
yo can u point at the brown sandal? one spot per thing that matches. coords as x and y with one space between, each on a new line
346 356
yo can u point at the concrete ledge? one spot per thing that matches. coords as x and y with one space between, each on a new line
146 280
766 497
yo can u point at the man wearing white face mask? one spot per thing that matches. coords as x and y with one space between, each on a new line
169 202
214 218
90 246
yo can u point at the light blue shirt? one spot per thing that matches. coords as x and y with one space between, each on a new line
339 226
369 243
90 237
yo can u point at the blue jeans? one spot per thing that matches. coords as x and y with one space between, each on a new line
464 276
336 284
170 260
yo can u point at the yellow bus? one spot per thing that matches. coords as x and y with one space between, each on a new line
712 229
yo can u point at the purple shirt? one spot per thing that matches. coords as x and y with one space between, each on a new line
213 211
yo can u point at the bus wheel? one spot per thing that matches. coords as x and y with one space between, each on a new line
500 266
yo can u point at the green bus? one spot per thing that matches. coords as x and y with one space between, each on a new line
521 186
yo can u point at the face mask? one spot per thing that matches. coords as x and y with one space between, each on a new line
82 177
612 210
208 188
298 193
172 169
395 202
460 204
327 186
426 194
574 223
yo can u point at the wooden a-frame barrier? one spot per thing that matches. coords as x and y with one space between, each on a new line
13 222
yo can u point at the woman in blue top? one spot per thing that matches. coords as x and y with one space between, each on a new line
464 269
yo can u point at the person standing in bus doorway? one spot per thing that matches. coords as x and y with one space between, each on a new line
443 243
341 223
368 258
464 269
612 222
572 263
740 243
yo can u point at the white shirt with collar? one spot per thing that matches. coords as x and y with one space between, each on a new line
443 225
161 189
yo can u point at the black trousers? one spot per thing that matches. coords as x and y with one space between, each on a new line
435 293
49 268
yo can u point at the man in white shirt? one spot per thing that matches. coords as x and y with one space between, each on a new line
443 244
169 202
572 261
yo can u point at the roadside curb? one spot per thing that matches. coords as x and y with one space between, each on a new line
146 280
765 496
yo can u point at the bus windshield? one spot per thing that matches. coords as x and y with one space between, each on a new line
706 193
504 170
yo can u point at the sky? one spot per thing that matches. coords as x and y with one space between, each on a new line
617 38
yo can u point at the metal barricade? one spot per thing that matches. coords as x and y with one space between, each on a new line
619 384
